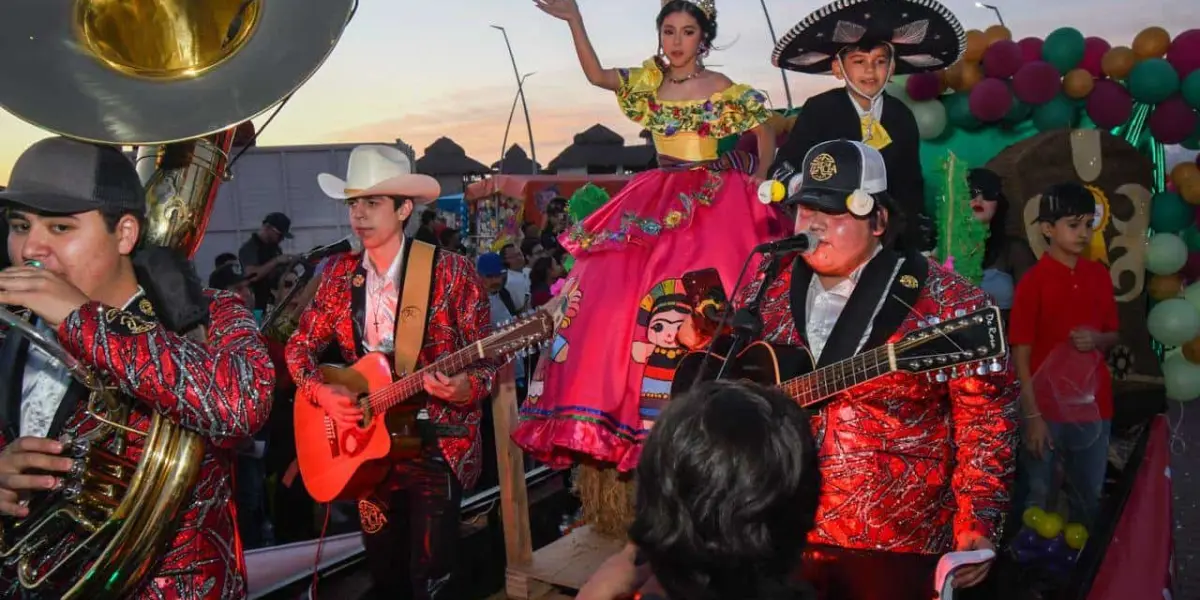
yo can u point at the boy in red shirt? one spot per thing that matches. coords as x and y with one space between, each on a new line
1065 300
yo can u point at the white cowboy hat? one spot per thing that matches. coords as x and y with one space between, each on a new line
376 170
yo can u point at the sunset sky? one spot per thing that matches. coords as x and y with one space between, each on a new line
421 70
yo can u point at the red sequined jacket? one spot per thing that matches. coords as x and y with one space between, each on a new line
907 464
459 314
221 390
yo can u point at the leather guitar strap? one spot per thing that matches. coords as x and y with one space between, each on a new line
412 312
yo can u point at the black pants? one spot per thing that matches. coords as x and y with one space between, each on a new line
410 530
843 574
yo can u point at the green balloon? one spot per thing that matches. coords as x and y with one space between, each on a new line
1064 49
958 111
1169 213
1191 89
1058 113
1166 253
1173 322
1153 80
1181 377
1191 238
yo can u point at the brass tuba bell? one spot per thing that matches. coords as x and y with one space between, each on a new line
175 78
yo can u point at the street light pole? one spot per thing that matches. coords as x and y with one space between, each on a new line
512 111
782 72
992 8
521 93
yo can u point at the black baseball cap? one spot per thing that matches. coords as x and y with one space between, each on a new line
281 222
833 171
64 176
227 276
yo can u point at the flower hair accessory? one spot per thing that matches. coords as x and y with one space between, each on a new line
708 7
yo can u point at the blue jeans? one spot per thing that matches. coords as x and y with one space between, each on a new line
1083 448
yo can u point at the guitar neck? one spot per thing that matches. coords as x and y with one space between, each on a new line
411 385
830 380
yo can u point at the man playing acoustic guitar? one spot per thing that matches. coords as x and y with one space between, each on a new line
913 465
410 521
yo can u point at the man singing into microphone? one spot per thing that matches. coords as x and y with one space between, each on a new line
911 468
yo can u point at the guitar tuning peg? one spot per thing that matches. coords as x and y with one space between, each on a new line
981 370
921 323
995 366
961 312
934 320
941 377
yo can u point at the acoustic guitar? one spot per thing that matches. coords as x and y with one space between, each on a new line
344 463
971 343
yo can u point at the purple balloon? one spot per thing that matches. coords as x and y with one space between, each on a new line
923 86
1002 59
1172 121
1109 104
990 100
1031 49
1184 53
1037 83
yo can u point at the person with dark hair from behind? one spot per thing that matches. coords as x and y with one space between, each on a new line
726 492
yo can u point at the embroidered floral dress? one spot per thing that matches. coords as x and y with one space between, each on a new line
601 385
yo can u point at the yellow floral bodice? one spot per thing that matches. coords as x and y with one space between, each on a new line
688 130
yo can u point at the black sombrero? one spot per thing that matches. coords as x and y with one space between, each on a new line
925 35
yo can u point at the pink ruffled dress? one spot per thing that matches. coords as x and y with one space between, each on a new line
596 392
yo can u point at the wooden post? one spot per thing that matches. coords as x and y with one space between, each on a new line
514 497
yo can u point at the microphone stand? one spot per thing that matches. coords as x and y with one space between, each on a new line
747 321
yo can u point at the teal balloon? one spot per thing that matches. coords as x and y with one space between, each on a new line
898 88
1152 81
1169 213
1190 88
1173 322
1181 378
1166 253
1064 48
1191 238
1020 111
1192 143
958 112
1058 113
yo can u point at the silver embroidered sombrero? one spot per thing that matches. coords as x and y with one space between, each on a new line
924 35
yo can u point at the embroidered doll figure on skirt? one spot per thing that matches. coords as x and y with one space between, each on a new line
864 43
698 210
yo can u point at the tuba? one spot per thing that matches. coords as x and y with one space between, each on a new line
176 79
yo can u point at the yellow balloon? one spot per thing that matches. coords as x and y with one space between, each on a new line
977 43
1032 516
1076 535
1050 525
996 33
1190 191
1185 173
1118 62
1152 42
1078 84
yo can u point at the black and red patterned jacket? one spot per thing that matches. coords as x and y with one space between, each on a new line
221 390
459 315
907 464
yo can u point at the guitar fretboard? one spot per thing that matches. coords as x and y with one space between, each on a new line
411 385
829 380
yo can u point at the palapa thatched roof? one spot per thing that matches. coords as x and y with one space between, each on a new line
600 149
516 162
445 157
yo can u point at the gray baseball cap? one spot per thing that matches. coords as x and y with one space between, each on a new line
64 176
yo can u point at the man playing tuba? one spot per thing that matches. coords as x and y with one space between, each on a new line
76 210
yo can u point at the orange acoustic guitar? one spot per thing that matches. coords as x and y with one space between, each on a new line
341 463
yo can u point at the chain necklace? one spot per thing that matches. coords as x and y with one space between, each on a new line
690 76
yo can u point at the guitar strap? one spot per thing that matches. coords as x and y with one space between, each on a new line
412 312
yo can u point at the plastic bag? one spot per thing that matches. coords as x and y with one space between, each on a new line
1066 384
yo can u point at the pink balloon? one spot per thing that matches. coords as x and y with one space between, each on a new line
1109 104
923 86
990 100
1184 53
1093 53
1002 59
1171 188
1172 121
1037 82
1031 49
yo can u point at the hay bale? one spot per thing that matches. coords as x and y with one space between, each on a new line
607 498
1122 179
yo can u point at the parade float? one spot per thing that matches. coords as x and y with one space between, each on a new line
1041 111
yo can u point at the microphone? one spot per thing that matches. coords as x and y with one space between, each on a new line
346 244
801 242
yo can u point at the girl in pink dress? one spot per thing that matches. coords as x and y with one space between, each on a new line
598 389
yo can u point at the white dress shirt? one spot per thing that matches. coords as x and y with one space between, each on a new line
823 307
519 288
383 296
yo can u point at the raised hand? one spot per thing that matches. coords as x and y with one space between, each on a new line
566 10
